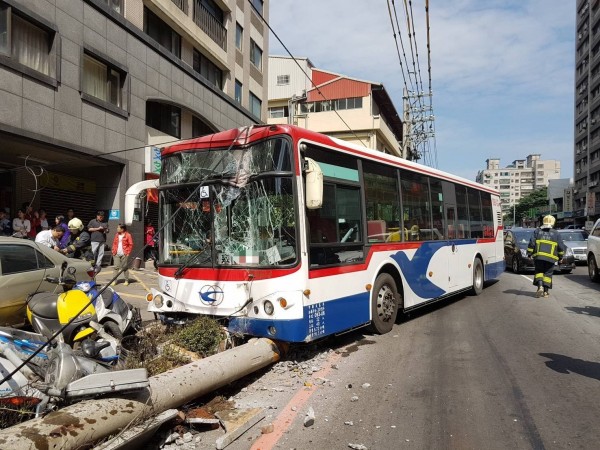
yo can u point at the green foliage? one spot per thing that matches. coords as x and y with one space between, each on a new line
536 199
201 336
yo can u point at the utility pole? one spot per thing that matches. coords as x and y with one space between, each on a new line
416 132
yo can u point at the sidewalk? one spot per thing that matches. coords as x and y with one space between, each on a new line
140 283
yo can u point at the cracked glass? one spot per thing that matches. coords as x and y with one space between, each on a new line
230 207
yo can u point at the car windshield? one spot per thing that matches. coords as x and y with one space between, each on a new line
522 237
574 236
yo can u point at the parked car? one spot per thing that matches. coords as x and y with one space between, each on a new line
576 240
515 252
593 252
24 265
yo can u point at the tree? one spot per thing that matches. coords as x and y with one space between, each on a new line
536 199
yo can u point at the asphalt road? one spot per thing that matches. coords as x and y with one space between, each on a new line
503 370
140 283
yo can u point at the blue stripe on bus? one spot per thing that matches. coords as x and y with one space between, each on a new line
320 319
494 270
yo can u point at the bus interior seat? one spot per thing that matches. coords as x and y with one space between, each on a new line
376 230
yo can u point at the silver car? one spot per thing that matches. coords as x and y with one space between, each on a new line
576 240
24 265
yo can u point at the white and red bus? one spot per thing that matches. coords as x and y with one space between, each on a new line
295 235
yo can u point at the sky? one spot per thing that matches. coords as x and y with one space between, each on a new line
502 70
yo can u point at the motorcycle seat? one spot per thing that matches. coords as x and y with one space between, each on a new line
43 304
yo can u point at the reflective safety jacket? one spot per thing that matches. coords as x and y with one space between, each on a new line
546 244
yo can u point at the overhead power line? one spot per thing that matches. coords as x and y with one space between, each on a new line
303 71
419 129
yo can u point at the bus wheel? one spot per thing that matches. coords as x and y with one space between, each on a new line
384 304
477 277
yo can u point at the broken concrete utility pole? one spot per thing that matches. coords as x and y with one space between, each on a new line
84 423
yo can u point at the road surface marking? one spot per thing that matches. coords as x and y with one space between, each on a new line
141 282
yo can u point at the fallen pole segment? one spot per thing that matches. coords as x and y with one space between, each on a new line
87 422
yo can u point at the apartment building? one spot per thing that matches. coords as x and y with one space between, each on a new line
89 89
518 179
586 187
347 108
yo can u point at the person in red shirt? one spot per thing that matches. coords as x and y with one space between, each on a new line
149 235
121 249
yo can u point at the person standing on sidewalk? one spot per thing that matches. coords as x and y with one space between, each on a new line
546 247
98 229
121 249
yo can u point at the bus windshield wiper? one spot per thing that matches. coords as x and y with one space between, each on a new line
186 264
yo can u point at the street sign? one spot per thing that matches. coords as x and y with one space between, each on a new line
114 214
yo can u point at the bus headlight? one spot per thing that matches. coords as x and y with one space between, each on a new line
268 307
158 301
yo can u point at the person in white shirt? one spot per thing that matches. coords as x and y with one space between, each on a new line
50 238
21 225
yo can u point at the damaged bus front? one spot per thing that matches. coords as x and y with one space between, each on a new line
228 234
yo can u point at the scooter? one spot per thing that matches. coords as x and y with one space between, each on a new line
46 310
57 375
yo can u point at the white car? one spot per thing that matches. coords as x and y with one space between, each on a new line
593 252
576 240
24 265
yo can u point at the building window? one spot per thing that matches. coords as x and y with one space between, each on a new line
255 55
212 8
27 42
115 5
164 117
255 105
238 92
209 17
200 128
208 69
162 33
103 81
258 4
182 5
278 112
239 36
283 80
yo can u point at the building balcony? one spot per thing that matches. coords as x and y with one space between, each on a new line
211 26
182 5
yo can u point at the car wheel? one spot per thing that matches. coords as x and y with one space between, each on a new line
515 264
593 269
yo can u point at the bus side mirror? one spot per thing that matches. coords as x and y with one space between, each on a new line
314 184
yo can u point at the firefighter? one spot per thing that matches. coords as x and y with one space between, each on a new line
546 247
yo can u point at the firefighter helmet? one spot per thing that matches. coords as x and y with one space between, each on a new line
548 221
75 224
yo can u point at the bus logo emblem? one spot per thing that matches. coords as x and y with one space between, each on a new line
211 295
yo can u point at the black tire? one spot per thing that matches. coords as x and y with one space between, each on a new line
384 304
593 269
477 277
515 264
113 329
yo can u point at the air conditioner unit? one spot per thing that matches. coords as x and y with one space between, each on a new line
575 191
593 121
578 170
593 184
578 151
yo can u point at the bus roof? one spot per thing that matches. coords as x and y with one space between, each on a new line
247 135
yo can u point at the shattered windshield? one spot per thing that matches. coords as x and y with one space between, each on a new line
242 212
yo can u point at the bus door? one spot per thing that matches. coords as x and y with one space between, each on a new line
453 254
